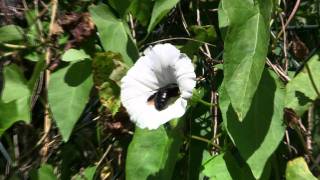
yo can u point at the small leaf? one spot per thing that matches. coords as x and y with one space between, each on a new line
15 85
152 154
297 169
245 49
87 174
264 122
44 172
34 56
68 94
11 33
114 33
302 89
202 33
74 55
160 9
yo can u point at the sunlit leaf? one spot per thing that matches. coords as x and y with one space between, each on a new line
114 33
297 169
245 49
68 95
264 122
302 89
11 33
153 153
74 55
159 11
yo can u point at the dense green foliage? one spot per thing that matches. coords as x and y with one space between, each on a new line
255 112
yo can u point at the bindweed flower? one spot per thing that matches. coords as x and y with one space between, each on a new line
161 65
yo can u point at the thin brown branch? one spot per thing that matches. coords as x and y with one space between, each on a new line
284 44
47 118
293 12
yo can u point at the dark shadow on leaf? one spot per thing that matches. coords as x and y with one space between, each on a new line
249 134
132 50
78 73
238 169
302 98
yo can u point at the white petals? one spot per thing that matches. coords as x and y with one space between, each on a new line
161 65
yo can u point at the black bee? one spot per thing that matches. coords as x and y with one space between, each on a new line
162 96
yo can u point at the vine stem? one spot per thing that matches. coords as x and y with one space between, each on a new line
47 119
293 12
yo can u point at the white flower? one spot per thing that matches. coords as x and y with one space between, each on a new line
161 65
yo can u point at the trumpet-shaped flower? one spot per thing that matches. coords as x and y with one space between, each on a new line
160 66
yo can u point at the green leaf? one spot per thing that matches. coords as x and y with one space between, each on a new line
15 98
108 69
11 33
87 174
44 172
120 6
245 49
152 153
68 94
114 33
264 122
141 10
74 55
297 169
14 111
15 85
160 9
302 89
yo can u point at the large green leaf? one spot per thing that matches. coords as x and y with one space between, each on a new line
114 33
11 33
302 89
262 129
245 49
15 85
160 9
141 10
68 94
15 98
152 153
297 169
44 172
